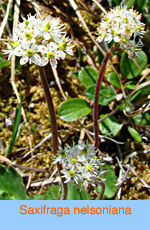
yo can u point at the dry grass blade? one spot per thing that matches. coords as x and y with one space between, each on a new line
75 7
140 179
58 82
100 6
7 161
37 146
4 22
15 22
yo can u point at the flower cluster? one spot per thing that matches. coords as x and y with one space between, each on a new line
39 41
80 165
124 27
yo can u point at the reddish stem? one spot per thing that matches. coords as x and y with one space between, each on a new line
98 84
53 124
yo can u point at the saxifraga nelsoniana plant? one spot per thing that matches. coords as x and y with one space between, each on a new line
123 27
41 42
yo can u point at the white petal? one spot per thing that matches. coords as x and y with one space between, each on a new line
108 38
42 49
69 51
36 59
58 39
6 51
24 60
18 51
44 61
62 54
52 46
25 45
46 35
116 39
8 46
35 48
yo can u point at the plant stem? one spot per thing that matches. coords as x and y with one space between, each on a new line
98 84
53 124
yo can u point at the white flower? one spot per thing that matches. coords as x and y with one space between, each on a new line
30 54
80 164
13 48
64 46
51 52
39 41
120 25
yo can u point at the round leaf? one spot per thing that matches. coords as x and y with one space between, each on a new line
73 109
88 76
110 182
135 134
11 185
113 79
110 126
142 119
106 94
129 3
140 5
129 68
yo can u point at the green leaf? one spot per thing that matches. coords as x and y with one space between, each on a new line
110 126
140 5
106 95
145 91
15 130
80 54
10 16
53 193
75 194
130 84
116 2
113 79
142 119
11 185
129 68
73 109
129 3
100 56
127 106
75 74
3 62
110 182
88 76
136 136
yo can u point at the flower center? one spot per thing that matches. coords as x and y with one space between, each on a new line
26 23
89 168
14 44
39 40
138 28
29 52
63 45
47 27
106 19
125 20
124 40
71 173
50 54
74 161
114 32
128 30
28 35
